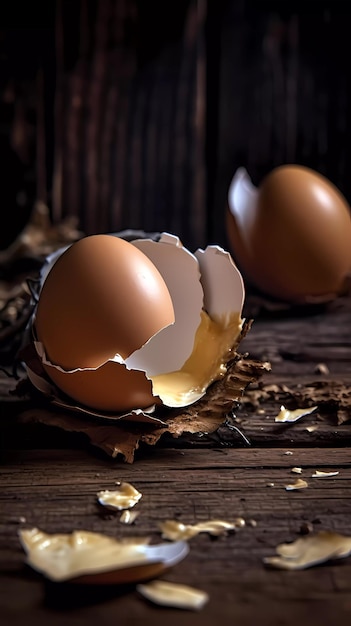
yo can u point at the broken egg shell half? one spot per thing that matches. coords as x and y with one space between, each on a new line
93 558
205 291
291 235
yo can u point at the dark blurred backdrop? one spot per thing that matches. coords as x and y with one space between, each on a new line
136 113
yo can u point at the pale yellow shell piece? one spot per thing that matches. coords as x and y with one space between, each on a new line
128 517
173 594
125 497
299 484
63 557
285 415
312 429
319 474
310 550
174 530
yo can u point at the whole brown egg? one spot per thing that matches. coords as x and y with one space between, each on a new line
291 236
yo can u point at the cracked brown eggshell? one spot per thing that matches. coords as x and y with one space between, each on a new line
185 347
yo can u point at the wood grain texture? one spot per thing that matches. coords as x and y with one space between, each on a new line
50 478
132 125
132 142
57 491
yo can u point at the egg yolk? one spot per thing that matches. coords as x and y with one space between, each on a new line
213 343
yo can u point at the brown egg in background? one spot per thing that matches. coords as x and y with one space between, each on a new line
297 243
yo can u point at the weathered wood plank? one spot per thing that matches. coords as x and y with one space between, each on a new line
57 491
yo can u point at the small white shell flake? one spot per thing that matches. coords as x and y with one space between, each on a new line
174 530
285 415
319 474
173 594
125 497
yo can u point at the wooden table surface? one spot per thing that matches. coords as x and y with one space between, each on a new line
50 477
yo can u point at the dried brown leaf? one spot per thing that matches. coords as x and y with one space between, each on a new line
124 437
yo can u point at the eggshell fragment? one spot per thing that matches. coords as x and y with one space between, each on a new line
320 474
179 269
296 470
86 556
285 415
310 550
298 484
128 517
175 530
217 270
125 497
173 594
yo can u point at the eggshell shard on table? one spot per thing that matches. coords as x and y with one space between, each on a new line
175 365
310 550
321 474
125 497
89 557
298 484
174 595
175 530
290 235
285 415
128 516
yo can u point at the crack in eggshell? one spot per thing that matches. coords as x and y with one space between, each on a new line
119 434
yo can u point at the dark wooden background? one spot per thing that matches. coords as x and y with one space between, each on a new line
134 114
